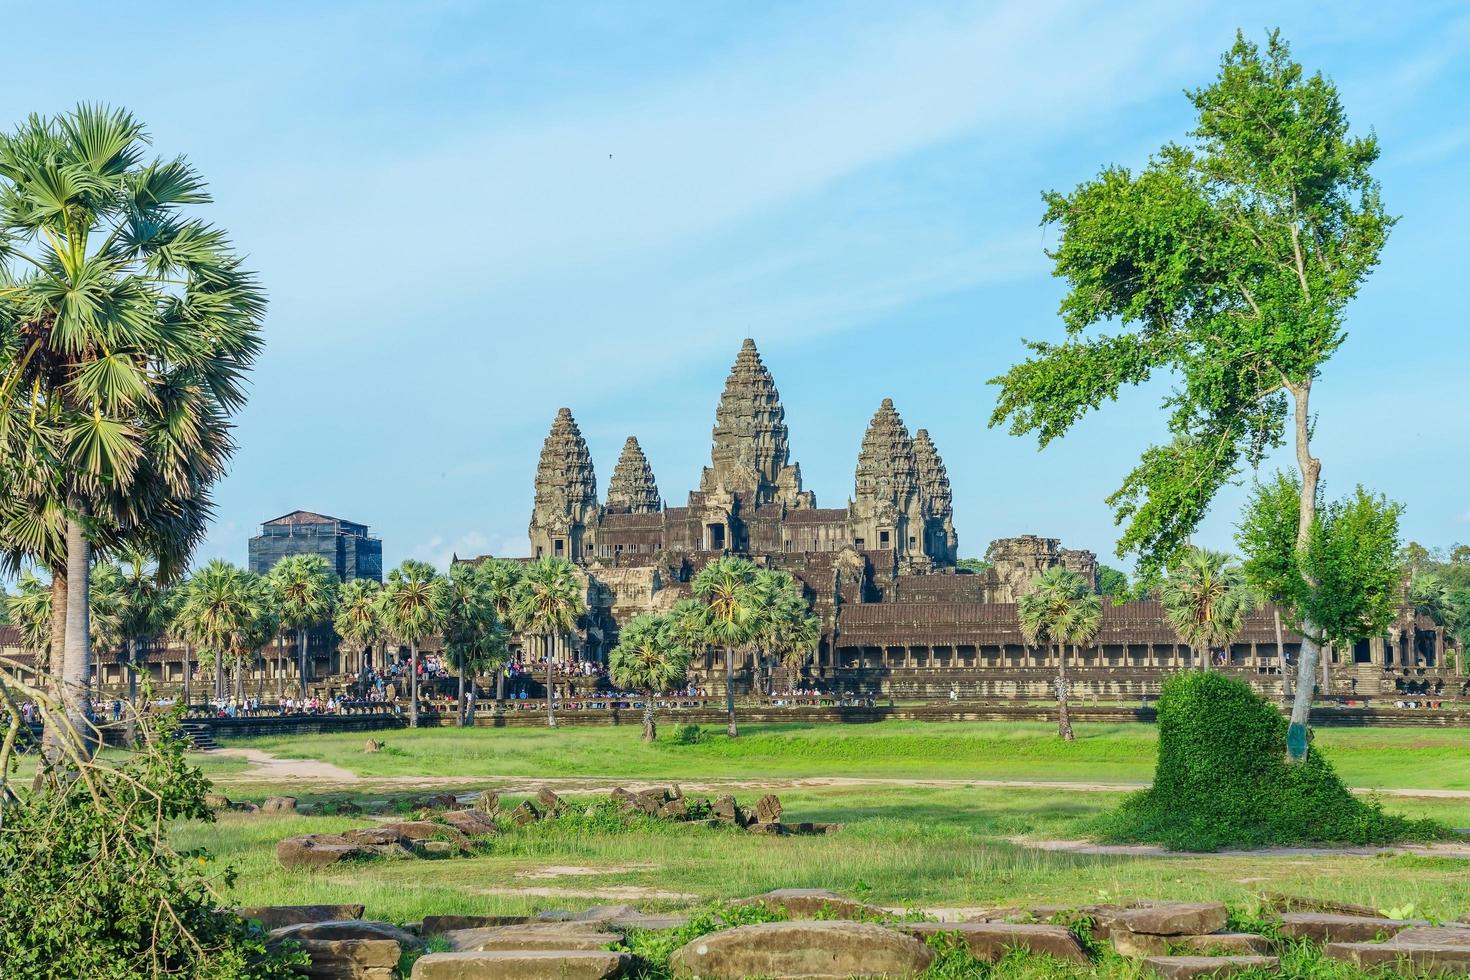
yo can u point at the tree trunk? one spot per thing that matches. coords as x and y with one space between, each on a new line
649 731
413 682
52 652
1306 670
188 676
219 677
550 683
130 730
1280 653
280 666
461 693
499 684
1326 679
730 728
239 695
301 658
1064 721
76 661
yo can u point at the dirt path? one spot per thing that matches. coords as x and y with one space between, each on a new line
1445 850
266 767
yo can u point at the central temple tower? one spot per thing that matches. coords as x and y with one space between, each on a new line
750 458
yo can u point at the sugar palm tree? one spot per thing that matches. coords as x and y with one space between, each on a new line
306 593
126 329
465 608
798 640
408 610
1061 609
689 621
549 600
30 612
358 619
649 658
726 586
501 576
227 613
1206 600
144 610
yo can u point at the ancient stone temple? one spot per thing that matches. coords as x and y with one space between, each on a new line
899 617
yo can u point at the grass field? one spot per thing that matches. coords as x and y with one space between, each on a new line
1372 758
902 845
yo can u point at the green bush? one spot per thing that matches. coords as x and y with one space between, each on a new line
1223 781
688 735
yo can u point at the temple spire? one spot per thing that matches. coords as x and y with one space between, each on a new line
566 490
750 456
632 487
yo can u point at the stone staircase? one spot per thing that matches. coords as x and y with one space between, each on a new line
199 736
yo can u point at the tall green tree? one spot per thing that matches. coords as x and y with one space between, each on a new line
781 620
409 613
145 611
126 329
227 613
31 608
30 611
465 607
1344 586
1206 600
306 591
548 601
726 586
1061 610
358 619
501 576
1229 263
648 658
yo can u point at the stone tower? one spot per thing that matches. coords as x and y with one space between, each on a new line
941 542
632 489
750 459
887 511
566 492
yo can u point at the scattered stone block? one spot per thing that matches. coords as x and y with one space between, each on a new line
315 851
437 801
471 823
217 801
826 949
1224 944
349 929
351 959
597 913
1172 919
675 809
1416 951
522 965
435 848
989 941
650 801
488 802
771 829
768 809
726 810
276 916
809 903
346 808
1189 967
1328 927
526 813
373 745
421 830
1297 903
373 836
433 925
1139 945
626 801
534 935
549 802
279 804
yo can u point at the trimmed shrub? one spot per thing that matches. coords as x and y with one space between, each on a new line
1223 781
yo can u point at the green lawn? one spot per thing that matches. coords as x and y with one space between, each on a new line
902 845
1372 758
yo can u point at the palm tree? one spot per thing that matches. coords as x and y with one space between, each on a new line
133 327
1431 595
227 613
30 611
549 600
358 619
798 641
145 611
1206 600
501 576
306 592
648 658
466 612
1060 610
726 587
408 610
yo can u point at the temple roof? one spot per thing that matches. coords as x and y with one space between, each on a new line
886 467
932 476
565 479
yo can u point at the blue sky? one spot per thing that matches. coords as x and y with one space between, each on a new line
470 214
